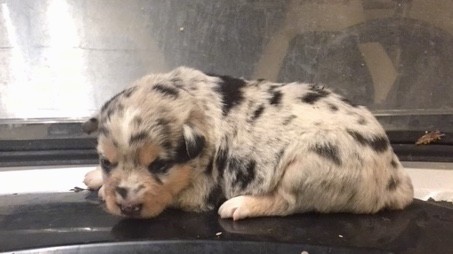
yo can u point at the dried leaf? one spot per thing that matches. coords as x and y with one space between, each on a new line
430 137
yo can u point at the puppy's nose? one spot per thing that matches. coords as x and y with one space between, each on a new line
122 191
131 210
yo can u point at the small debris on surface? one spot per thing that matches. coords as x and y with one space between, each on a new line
181 29
304 252
218 234
77 189
341 236
430 137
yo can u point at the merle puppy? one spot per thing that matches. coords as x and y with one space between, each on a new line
192 140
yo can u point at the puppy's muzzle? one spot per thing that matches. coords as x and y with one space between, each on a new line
127 208
131 210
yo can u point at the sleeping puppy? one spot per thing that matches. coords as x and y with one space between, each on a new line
192 140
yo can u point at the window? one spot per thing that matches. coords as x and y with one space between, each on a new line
61 60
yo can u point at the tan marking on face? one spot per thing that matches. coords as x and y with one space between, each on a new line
107 149
160 196
147 154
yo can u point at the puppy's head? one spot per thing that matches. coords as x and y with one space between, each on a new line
150 137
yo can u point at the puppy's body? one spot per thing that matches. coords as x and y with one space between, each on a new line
268 148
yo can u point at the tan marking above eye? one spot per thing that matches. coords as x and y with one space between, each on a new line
107 149
148 153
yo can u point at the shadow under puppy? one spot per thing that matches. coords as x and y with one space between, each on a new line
186 139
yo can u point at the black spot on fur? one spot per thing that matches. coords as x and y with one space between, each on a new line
122 191
278 156
314 96
209 167
325 185
215 197
328 151
245 171
348 102
362 121
107 104
311 98
162 126
221 160
377 143
137 121
166 90
110 112
358 137
230 89
316 93
104 131
189 149
394 164
332 107
392 184
106 165
258 112
138 137
128 92
164 123
176 80
289 119
276 98
166 144
120 109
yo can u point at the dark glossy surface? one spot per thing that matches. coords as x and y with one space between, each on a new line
46 220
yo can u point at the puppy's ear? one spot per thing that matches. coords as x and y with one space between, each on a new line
191 145
91 125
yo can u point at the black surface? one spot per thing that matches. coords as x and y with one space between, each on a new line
48 220
196 247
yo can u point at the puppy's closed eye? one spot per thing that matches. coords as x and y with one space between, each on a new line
106 165
159 166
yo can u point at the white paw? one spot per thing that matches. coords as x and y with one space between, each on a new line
234 208
93 179
101 193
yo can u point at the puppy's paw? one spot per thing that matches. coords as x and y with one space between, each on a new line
93 179
235 208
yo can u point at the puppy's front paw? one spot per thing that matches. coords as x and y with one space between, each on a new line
93 179
235 208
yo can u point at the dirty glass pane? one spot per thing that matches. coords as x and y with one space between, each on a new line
61 59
